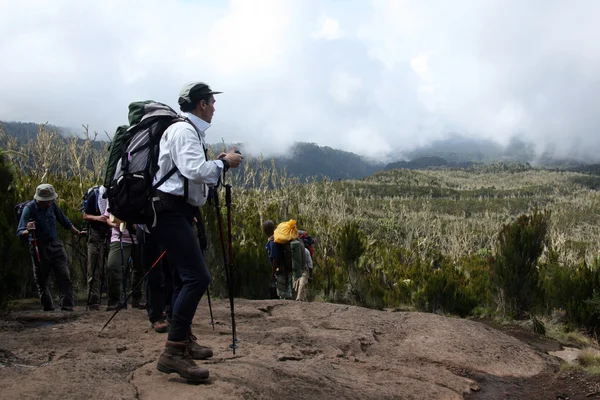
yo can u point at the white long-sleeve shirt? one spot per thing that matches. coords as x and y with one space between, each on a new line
182 146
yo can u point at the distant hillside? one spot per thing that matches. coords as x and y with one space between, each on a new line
460 149
27 130
309 159
23 131
305 160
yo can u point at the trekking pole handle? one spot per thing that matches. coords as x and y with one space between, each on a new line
228 195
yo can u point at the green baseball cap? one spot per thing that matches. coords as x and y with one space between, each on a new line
193 91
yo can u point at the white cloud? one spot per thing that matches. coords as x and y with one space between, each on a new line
344 87
420 64
366 140
330 30
385 74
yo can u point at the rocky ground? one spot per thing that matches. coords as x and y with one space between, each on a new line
286 350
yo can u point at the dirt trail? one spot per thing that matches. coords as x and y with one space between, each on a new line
287 350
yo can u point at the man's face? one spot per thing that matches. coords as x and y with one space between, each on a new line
207 109
45 204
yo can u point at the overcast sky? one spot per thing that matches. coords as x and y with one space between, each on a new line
372 77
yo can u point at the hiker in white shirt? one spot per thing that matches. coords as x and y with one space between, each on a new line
183 146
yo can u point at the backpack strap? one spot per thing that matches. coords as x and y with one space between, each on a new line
186 183
164 178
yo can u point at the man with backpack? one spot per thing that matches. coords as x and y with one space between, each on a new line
183 146
96 245
281 266
38 225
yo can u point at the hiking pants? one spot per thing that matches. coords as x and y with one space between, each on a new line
175 232
95 263
159 284
52 258
284 285
300 285
115 271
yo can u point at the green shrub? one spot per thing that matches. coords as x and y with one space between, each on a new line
514 267
447 289
12 250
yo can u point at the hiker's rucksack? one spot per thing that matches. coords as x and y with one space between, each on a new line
86 196
308 241
19 210
293 257
133 162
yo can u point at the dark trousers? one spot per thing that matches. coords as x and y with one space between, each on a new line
52 258
159 284
175 233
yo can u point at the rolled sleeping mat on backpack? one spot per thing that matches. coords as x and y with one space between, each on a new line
116 220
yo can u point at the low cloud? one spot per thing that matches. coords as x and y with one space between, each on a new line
376 78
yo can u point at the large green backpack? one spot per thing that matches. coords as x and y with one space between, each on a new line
121 139
133 162
293 257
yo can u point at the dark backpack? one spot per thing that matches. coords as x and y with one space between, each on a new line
133 162
19 209
308 241
86 196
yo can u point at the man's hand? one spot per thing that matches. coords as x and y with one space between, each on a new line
101 218
233 157
31 226
77 231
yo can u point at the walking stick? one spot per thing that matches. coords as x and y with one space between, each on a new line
124 304
233 345
37 251
230 243
212 321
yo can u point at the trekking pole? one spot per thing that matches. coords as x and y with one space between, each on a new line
212 321
120 306
233 345
35 245
230 258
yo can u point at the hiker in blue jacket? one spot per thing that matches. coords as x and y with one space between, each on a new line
38 225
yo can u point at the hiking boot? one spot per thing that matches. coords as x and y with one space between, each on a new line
136 303
176 359
112 305
196 351
94 307
49 308
66 309
160 326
